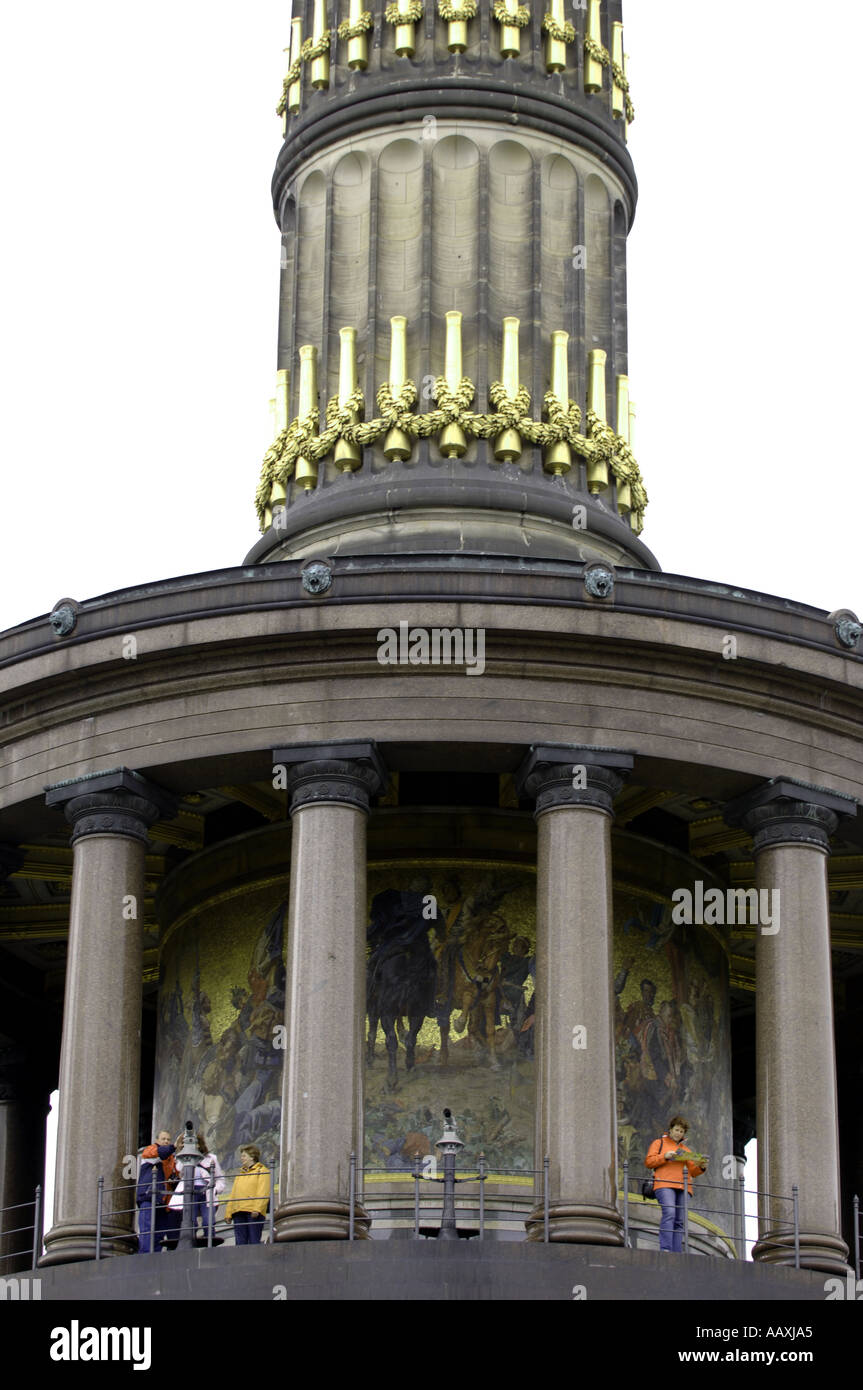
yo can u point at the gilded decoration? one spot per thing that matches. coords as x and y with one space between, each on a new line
302 436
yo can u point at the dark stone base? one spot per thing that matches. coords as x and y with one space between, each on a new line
828 1253
71 1240
577 1223
317 1218
428 1270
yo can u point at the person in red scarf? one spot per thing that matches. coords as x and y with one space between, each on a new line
159 1171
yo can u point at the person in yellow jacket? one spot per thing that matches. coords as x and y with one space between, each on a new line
250 1197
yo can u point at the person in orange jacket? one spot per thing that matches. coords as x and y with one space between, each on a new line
666 1156
158 1170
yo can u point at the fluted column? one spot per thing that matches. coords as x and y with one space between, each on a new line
322 1087
100 1054
798 1137
576 1111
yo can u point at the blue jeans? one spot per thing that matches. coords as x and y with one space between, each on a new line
248 1227
671 1225
147 1240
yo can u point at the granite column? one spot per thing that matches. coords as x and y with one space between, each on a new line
97 1132
576 1110
798 1139
330 787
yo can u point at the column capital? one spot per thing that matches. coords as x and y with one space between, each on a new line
348 773
558 775
786 812
118 802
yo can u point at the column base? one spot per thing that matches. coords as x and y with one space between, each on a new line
320 1218
76 1240
817 1251
579 1223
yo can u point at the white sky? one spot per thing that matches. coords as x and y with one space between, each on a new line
140 277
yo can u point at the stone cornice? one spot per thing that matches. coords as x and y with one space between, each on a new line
229 662
225 593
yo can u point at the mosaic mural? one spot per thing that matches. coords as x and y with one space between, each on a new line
222 992
450 1015
451 1010
672 1034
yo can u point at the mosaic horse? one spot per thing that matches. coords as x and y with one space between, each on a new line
400 975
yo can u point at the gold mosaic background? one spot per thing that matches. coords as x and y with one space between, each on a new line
222 991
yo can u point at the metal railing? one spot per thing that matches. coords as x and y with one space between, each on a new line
432 1205
741 1192
856 1207
32 1249
161 1237
213 1228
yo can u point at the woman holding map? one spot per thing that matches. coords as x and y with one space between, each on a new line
667 1157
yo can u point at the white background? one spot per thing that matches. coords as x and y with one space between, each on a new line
140 275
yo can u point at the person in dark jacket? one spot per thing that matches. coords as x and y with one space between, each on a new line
158 1173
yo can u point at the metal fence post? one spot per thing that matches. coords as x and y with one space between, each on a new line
482 1196
272 1204
352 1196
416 1197
100 1189
211 1192
795 1197
856 1235
37 1227
545 1199
154 1187
626 1204
742 1181
685 1209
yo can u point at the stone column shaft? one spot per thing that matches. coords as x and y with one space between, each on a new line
798 1136
576 1120
798 1130
97 1126
322 1087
